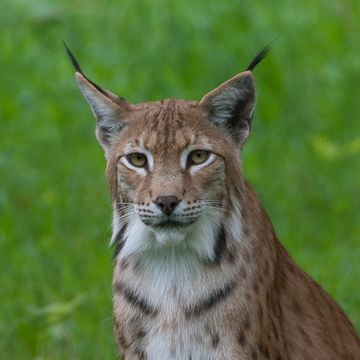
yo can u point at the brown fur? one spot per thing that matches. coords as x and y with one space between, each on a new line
248 301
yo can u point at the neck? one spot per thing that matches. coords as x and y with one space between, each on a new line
174 288
212 256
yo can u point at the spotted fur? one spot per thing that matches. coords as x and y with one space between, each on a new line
208 280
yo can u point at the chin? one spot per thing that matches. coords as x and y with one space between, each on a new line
170 234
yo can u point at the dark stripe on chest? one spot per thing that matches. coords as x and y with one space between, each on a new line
130 296
119 240
213 299
220 245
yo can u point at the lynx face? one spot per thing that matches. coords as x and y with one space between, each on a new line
171 164
170 169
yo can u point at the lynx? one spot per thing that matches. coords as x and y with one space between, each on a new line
199 273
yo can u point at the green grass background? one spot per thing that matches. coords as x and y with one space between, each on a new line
303 156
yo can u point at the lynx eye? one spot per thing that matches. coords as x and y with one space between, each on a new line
198 157
137 159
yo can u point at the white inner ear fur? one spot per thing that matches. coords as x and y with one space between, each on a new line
225 102
240 92
104 110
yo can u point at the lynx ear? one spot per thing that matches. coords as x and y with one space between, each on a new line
109 110
231 105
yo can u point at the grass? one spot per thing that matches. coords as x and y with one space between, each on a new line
303 156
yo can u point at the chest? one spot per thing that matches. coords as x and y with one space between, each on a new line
157 338
185 341
176 312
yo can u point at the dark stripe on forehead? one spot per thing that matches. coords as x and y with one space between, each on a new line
130 295
212 300
165 119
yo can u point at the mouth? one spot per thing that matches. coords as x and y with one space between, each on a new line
170 225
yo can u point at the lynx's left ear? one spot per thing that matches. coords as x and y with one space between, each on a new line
231 105
109 110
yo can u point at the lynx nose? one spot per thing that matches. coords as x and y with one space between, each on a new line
167 204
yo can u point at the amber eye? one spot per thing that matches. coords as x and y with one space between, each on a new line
198 157
137 159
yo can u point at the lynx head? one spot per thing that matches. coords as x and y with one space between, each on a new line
173 165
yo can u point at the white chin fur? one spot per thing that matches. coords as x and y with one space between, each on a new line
169 236
198 238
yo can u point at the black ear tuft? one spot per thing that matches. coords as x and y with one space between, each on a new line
72 59
258 58
78 69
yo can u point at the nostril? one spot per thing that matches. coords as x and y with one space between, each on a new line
173 204
167 204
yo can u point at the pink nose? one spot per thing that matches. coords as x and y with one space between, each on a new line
167 204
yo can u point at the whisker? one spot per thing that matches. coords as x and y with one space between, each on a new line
214 211
217 204
125 216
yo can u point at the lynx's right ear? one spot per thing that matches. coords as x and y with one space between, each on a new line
109 109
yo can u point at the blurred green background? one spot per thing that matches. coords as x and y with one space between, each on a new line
303 156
